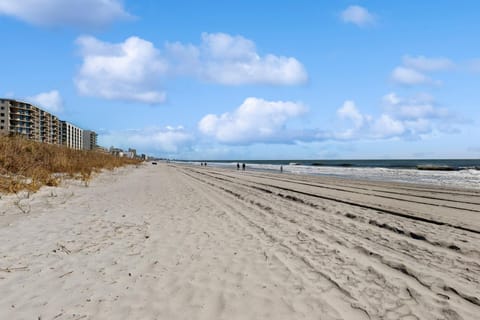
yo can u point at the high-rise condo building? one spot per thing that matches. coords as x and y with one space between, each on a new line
22 118
72 136
89 140
17 117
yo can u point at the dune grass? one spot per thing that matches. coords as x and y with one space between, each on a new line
29 165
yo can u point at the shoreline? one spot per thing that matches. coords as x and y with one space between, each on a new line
180 242
464 179
473 186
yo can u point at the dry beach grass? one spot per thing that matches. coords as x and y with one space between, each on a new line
28 165
186 242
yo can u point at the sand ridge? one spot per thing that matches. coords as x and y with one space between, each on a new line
185 242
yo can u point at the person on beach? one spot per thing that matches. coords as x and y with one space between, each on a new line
281 168
238 166
243 166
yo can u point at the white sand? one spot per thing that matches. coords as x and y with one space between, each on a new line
182 242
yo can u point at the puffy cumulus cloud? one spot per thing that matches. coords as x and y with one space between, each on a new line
129 71
260 121
77 13
427 64
132 70
153 140
408 76
349 111
168 139
223 46
386 127
421 106
255 121
50 101
414 70
234 60
357 15
411 118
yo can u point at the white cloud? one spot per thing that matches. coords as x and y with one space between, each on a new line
414 69
427 64
357 15
349 111
261 121
153 140
407 76
132 70
410 118
391 98
234 60
129 71
50 101
420 106
386 127
77 13
256 120
223 46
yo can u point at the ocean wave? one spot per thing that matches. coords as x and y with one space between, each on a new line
467 177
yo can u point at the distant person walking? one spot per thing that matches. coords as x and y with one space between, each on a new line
238 166
281 168
243 166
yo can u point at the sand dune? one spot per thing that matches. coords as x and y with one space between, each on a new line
183 242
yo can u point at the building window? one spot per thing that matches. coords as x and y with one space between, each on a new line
2 114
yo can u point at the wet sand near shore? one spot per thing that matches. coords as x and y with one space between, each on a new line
188 242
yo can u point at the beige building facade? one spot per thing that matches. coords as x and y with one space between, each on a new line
89 140
72 136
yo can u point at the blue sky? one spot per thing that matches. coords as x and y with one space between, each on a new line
248 79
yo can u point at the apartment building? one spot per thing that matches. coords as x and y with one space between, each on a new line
22 118
17 117
49 128
89 140
4 117
72 136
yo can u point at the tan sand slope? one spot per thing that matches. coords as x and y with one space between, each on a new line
183 242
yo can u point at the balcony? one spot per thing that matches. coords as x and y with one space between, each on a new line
19 106
19 125
17 118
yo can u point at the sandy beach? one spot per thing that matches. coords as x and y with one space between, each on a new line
187 242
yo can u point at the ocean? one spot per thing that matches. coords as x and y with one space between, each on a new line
454 173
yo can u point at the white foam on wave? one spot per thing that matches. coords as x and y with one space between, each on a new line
469 178
456 179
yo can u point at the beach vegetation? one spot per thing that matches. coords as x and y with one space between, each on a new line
27 165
